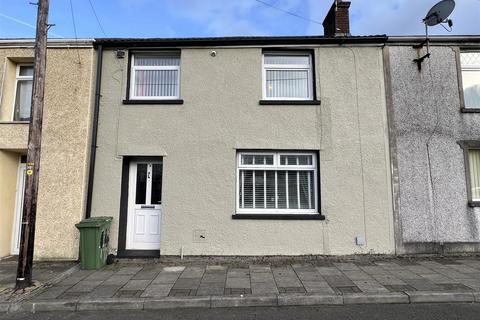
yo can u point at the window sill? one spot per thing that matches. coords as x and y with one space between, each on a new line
14 122
159 101
290 102
474 204
279 216
470 110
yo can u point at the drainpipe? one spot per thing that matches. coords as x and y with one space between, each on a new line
93 150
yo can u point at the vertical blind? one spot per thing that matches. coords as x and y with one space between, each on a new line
470 62
474 161
276 184
287 76
287 83
156 75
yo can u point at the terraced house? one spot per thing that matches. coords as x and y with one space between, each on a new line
243 145
65 144
435 141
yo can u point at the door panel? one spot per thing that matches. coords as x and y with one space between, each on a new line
147 226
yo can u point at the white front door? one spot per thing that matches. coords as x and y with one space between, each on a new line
17 222
144 205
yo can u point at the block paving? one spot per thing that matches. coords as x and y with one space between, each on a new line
330 277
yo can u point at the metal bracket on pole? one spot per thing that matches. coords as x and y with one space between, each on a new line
419 46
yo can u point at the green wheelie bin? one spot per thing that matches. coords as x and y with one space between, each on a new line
94 237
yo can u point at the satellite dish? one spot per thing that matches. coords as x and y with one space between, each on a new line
439 13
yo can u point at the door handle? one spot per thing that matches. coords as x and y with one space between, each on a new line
147 207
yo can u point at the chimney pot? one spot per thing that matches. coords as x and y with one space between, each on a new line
337 21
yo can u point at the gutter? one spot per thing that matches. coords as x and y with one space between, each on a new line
93 150
441 40
51 43
237 41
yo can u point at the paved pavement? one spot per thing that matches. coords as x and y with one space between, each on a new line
43 273
210 283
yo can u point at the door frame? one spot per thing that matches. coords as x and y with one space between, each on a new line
18 213
122 252
133 207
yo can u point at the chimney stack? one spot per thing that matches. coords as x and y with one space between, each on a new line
337 21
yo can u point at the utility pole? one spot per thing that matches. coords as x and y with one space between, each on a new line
25 258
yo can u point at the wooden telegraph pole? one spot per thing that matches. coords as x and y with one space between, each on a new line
25 258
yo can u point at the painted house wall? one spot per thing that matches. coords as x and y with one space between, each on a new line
220 114
427 105
65 143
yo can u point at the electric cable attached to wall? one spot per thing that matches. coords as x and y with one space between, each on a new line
360 145
429 163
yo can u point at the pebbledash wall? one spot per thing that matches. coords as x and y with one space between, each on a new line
220 115
432 212
65 144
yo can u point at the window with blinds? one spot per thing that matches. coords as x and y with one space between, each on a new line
277 182
23 94
474 168
470 62
155 75
287 76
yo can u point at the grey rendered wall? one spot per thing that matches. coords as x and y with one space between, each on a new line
432 209
221 114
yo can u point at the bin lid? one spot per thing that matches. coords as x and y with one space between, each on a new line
93 222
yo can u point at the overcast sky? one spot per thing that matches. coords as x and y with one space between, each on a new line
201 18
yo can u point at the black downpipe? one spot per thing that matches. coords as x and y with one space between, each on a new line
93 151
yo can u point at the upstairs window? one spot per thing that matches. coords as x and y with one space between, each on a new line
470 63
155 76
23 92
287 76
277 182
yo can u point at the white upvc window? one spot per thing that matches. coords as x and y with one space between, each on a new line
23 92
470 63
474 172
155 75
277 183
287 76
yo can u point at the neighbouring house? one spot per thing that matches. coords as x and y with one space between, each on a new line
434 119
244 145
65 143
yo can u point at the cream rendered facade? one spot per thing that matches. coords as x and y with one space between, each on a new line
65 145
220 115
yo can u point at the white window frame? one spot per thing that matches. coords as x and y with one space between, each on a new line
277 167
471 199
464 68
18 78
134 68
299 67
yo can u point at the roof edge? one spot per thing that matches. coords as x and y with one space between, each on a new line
435 39
237 41
51 43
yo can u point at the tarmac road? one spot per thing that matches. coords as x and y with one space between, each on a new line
347 312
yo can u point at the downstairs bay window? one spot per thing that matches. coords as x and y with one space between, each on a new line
277 183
